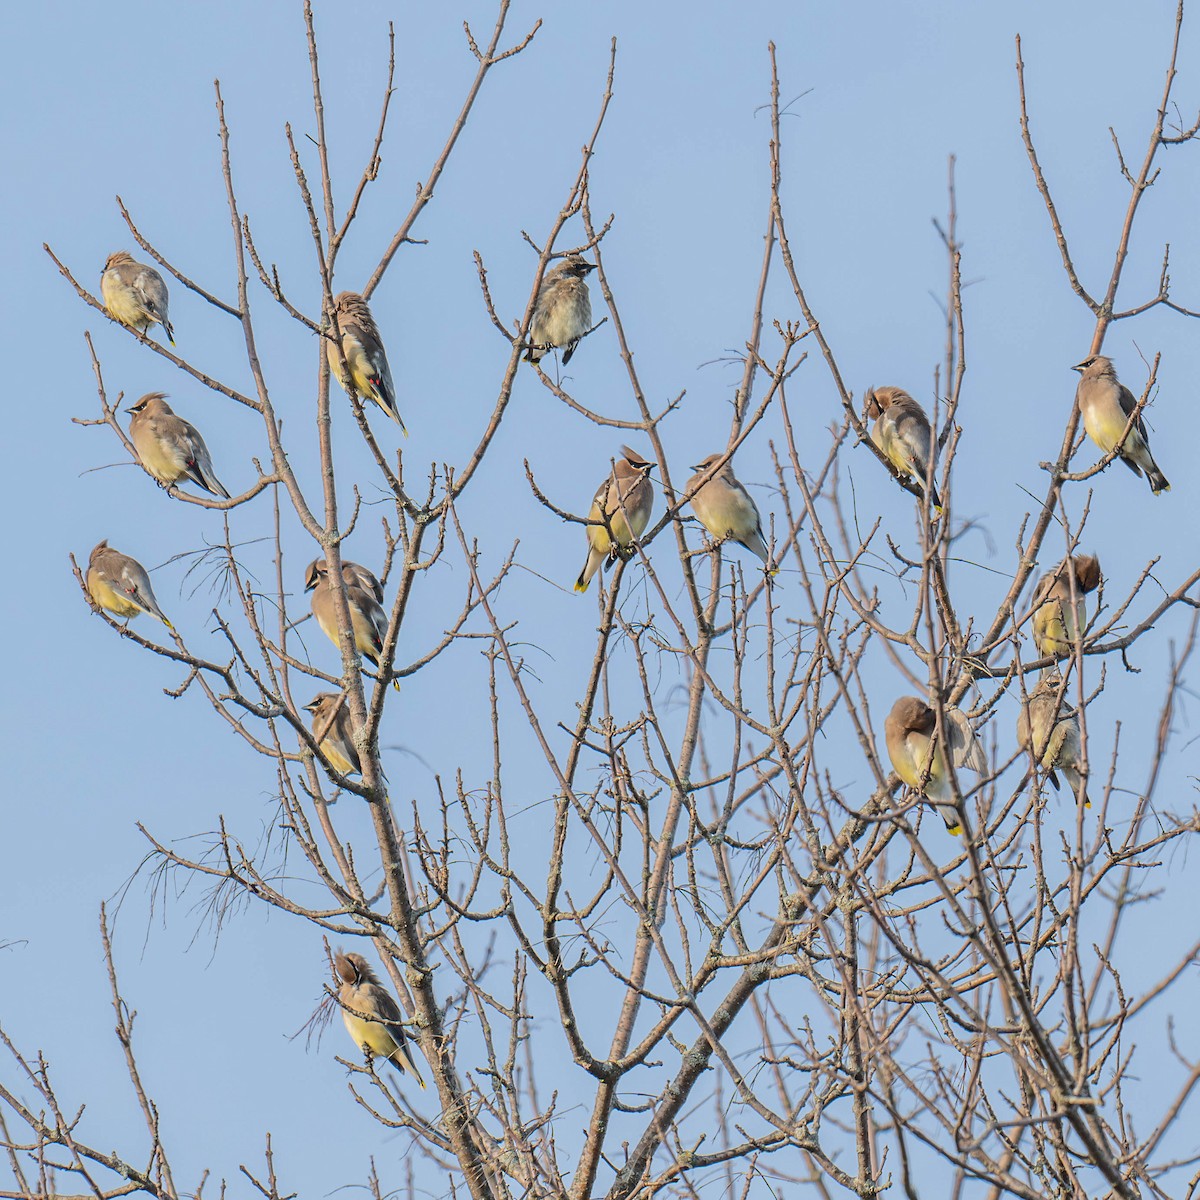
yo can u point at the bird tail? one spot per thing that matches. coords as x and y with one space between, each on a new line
1074 782
400 1059
589 569
169 330
949 814
935 499
1158 481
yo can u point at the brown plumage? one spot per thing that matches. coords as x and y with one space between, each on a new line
135 294
367 617
372 1017
331 723
625 499
352 572
902 433
726 509
563 311
1056 620
1106 405
170 448
121 585
362 348
920 760
1049 728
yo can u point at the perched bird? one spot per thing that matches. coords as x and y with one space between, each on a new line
372 1016
902 434
1056 620
369 620
120 584
1106 405
909 733
1049 730
563 312
171 448
331 717
726 509
370 376
624 501
135 294
352 573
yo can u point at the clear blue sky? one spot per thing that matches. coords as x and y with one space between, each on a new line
104 100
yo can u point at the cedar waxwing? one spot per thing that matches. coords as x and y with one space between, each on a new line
726 509
171 448
563 312
1053 729
369 620
1055 619
120 584
373 1018
625 498
135 294
1106 406
352 573
902 434
364 353
909 732
331 714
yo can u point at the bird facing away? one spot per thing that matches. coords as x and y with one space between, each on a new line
370 375
120 584
563 311
170 448
372 1016
903 436
352 572
135 294
726 509
1056 620
331 715
624 500
367 617
1106 405
1050 731
920 760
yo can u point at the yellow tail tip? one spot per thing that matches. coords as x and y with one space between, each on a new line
954 830
580 586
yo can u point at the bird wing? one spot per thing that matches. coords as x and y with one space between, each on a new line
1128 403
964 747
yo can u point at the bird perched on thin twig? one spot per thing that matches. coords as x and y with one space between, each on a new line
331 723
1059 609
903 435
919 758
1106 405
369 373
621 506
135 294
170 448
1048 727
120 584
726 509
367 616
372 1016
563 312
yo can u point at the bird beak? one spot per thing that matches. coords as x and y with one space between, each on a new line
1079 367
